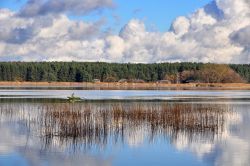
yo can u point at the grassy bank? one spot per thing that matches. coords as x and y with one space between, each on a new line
103 85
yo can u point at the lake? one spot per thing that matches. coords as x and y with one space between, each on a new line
39 127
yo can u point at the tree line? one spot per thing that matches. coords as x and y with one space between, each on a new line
112 72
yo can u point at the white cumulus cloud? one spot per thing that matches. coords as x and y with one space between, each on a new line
219 33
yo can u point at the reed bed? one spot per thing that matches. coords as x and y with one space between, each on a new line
95 125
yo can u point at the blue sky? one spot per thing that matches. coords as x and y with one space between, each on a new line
160 13
157 14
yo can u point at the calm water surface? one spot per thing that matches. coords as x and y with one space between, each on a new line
125 94
213 129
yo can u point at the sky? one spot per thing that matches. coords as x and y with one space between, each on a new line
156 13
140 31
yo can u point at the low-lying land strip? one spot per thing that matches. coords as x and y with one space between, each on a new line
116 85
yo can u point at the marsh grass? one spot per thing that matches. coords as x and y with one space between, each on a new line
96 125
87 125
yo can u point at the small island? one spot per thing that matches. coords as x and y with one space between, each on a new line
73 98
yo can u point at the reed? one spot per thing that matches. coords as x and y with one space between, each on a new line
94 124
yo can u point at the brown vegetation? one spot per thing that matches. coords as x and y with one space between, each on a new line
126 85
96 125
213 73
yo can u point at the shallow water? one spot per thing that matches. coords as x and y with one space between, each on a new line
212 130
126 94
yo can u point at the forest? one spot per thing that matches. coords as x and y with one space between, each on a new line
114 72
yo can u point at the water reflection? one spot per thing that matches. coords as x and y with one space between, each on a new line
149 95
79 131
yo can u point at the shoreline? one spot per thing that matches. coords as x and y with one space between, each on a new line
124 86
